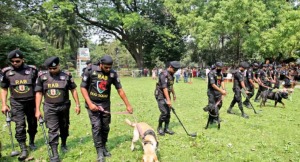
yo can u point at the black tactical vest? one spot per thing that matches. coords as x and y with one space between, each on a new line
55 87
21 83
169 79
100 84
236 83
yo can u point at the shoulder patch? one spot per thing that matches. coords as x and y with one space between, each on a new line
6 69
32 66
42 72
68 73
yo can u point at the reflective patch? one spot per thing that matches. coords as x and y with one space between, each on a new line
211 78
84 78
11 73
1 78
62 77
27 72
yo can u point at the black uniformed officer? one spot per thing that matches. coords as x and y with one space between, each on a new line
163 89
95 88
263 81
250 80
215 82
237 87
20 79
288 78
277 76
88 63
55 84
271 75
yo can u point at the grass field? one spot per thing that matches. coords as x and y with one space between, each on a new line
272 135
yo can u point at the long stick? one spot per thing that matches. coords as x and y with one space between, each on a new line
45 136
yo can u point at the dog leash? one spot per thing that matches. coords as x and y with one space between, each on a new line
216 105
124 112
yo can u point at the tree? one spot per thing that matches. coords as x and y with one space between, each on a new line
141 26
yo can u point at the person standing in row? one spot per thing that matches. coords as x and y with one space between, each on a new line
277 76
96 88
164 88
262 78
250 80
54 85
20 79
238 85
215 83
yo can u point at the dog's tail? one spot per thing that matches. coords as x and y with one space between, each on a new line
130 123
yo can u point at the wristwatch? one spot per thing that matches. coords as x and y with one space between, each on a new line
78 106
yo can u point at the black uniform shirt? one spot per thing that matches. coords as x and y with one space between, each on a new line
238 78
263 76
98 83
10 72
214 78
45 77
165 80
249 75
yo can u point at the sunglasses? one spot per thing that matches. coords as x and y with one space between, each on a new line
107 67
174 69
52 68
17 61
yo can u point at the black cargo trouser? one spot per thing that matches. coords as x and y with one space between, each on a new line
237 98
57 119
250 95
165 111
20 110
100 124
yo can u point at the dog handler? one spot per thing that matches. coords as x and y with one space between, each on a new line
249 83
262 79
163 89
277 76
55 84
215 82
20 79
95 88
237 86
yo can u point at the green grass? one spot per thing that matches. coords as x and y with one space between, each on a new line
272 135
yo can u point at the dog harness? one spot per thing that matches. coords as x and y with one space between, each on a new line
152 133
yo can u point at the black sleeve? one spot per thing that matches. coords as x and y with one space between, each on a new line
249 74
38 84
34 76
71 83
85 82
222 79
116 81
211 79
239 77
163 80
4 81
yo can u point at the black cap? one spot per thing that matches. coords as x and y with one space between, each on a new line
255 64
15 54
278 66
219 64
265 65
244 65
270 65
107 60
88 62
175 64
52 61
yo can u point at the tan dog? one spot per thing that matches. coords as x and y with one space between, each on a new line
288 90
149 142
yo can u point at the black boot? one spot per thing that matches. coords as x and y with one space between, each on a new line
247 105
167 129
100 157
105 151
244 115
55 156
229 110
63 146
31 143
160 130
23 155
